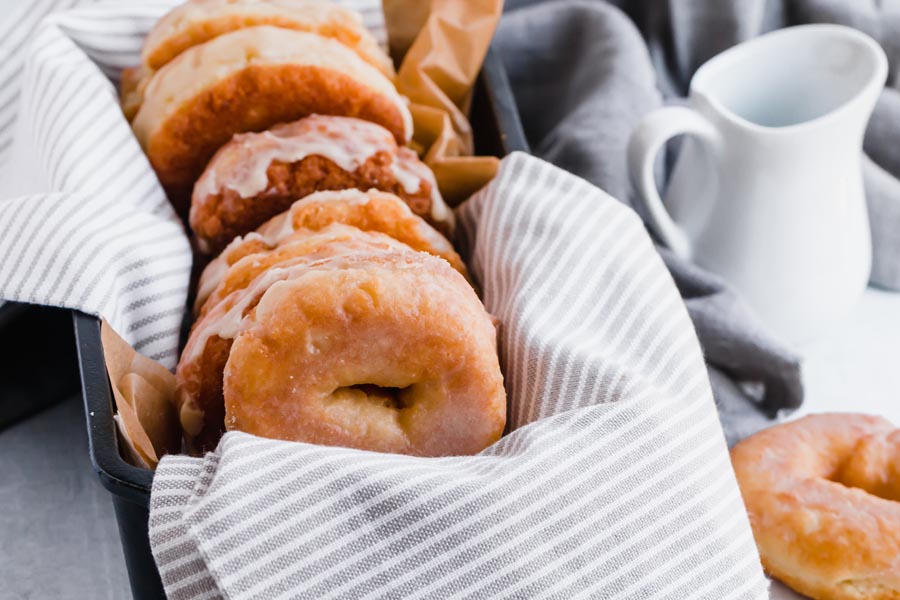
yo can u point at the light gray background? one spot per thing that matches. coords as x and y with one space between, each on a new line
58 535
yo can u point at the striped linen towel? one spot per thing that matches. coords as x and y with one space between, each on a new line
614 481
84 222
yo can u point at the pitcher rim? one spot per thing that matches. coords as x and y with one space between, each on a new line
877 79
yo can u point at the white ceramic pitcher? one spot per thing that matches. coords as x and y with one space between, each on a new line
767 190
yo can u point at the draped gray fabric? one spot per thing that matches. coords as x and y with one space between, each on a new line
586 72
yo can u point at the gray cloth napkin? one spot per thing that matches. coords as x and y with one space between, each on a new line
585 73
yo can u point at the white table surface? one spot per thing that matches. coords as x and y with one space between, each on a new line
856 365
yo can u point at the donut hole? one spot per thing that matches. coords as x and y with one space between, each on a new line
872 466
371 410
873 486
397 398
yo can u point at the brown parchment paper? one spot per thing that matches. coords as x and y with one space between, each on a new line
442 44
143 390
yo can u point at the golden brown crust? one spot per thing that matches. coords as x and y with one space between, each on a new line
384 315
250 80
372 210
198 21
251 257
370 356
817 534
368 211
255 176
203 417
226 215
199 394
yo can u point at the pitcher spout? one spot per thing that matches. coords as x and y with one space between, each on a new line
795 78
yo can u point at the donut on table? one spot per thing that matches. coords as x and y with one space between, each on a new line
250 80
255 176
361 342
369 211
822 494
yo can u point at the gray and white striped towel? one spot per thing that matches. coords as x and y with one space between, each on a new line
84 222
614 482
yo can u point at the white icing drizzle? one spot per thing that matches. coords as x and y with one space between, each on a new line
241 165
227 320
410 171
281 226
214 273
271 234
276 229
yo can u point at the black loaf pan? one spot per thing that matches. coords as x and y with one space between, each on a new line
37 360
497 130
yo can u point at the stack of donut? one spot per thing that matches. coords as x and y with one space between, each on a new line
336 311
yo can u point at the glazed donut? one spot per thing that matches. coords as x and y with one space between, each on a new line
822 494
394 358
199 392
236 271
250 80
363 343
255 176
198 21
368 211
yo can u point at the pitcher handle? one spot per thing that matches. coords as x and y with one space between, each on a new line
645 143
